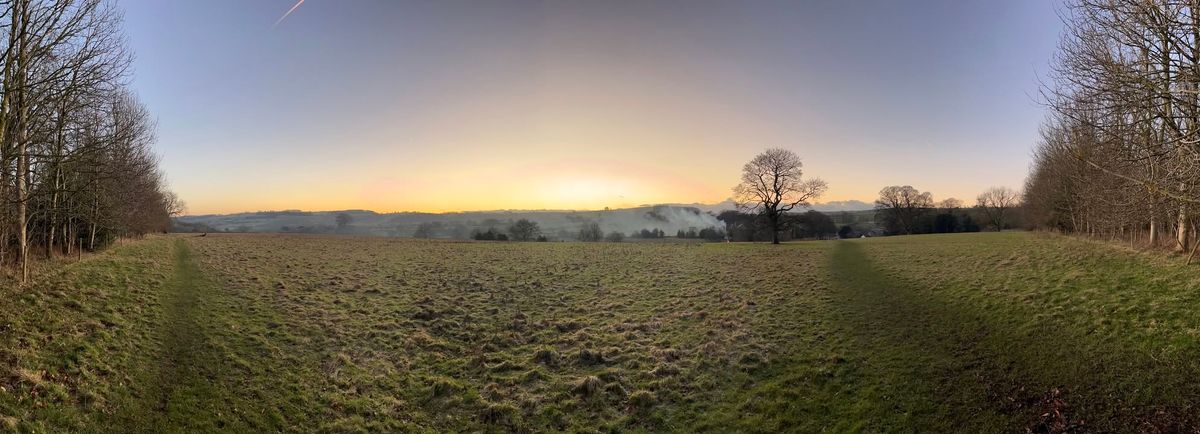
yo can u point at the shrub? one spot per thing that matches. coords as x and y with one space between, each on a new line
489 235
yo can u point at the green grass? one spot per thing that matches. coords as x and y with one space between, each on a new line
1115 333
971 332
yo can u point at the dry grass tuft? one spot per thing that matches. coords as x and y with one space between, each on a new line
590 357
665 370
502 414
443 387
32 378
546 356
587 386
10 423
642 400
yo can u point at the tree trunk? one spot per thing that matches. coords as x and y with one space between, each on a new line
1181 230
50 234
1153 232
22 73
22 209
52 212
774 229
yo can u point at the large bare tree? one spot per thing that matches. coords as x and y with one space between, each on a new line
772 185
901 207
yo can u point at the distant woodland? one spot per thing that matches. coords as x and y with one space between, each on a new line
908 211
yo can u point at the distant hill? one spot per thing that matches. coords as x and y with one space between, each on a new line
843 205
826 207
669 218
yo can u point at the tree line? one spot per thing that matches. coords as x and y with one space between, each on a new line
76 168
748 226
904 210
772 189
528 230
1119 155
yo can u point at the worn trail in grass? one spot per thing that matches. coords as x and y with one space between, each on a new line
920 352
971 347
179 386
182 382
182 338
193 383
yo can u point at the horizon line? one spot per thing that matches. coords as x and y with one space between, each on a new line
494 210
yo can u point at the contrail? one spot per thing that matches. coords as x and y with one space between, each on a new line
289 12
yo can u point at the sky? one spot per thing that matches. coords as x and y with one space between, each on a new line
447 105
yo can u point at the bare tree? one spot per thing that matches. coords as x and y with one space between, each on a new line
590 232
995 202
75 162
772 185
949 205
1120 156
901 207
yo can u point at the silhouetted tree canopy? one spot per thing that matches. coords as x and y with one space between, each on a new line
772 185
524 230
900 208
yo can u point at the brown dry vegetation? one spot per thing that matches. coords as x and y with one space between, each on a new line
446 336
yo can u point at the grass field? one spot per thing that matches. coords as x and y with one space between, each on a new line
971 332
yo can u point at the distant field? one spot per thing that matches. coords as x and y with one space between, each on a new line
968 332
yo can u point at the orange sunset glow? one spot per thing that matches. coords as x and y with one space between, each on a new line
399 107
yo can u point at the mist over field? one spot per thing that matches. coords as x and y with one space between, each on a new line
669 218
559 224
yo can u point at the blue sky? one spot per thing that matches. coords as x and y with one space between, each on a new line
451 105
